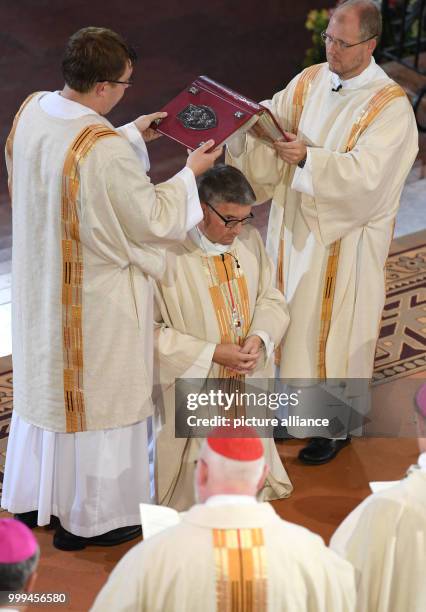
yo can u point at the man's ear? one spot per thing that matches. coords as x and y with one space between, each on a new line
100 89
372 44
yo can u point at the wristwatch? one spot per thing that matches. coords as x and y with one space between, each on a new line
302 162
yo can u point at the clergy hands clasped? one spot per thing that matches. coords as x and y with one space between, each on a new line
241 359
293 151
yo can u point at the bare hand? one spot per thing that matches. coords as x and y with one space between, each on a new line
292 151
143 124
252 345
232 356
199 160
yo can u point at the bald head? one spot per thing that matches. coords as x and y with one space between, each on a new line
367 13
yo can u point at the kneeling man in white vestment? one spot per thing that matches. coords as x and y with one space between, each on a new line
230 552
385 539
87 227
217 316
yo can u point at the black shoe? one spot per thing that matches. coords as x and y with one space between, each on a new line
64 540
281 433
28 518
322 450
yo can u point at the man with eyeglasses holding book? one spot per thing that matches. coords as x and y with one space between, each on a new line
335 189
217 317
88 233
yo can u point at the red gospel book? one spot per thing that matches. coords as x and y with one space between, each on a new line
206 109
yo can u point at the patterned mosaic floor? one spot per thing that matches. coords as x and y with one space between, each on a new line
401 349
5 415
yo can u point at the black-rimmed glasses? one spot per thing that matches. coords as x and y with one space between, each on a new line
129 83
326 38
231 223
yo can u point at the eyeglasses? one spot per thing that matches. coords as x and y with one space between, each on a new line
231 223
341 44
129 83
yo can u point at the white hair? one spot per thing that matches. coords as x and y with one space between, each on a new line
230 470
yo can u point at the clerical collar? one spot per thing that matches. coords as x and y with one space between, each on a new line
209 248
57 106
231 500
371 73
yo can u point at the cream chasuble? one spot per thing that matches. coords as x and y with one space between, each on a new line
385 540
82 241
193 314
81 299
230 558
331 246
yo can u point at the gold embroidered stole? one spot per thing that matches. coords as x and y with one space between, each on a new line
72 276
301 91
11 137
220 294
376 104
241 576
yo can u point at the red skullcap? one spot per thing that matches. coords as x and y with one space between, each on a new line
246 447
421 400
17 542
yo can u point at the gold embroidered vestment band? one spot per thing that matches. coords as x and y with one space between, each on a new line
375 105
240 562
300 94
72 276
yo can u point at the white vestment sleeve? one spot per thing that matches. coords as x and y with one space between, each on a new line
352 189
183 355
180 355
302 179
236 146
133 135
194 212
147 213
202 364
122 590
270 312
